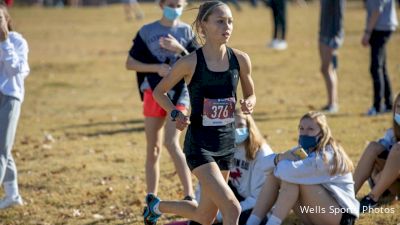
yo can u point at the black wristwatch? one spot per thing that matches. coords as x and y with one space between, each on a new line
174 114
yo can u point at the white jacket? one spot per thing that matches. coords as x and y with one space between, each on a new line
313 170
14 67
248 177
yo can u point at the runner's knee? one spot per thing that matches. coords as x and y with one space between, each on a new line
154 153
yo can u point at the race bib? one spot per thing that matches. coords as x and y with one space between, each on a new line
218 112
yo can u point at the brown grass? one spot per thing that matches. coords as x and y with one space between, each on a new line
81 94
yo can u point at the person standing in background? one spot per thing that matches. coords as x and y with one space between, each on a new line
132 6
74 3
156 47
331 35
381 22
279 15
14 69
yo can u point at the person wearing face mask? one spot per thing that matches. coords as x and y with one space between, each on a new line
156 47
379 164
247 175
319 188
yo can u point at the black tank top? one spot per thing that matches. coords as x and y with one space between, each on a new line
216 87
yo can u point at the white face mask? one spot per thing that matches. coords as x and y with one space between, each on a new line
241 134
397 118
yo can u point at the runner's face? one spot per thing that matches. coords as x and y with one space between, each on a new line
219 25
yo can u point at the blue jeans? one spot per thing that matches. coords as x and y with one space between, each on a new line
9 114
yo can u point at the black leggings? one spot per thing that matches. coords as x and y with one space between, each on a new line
380 77
279 15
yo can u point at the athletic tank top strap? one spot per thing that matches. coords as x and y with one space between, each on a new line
233 61
202 65
201 61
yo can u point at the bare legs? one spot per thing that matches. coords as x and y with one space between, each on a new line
287 196
384 174
267 196
133 7
172 144
329 74
314 196
389 174
215 194
366 164
153 129
154 138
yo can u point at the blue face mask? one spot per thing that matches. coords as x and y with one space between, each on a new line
308 142
397 118
172 13
241 134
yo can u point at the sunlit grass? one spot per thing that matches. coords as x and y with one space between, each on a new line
80 93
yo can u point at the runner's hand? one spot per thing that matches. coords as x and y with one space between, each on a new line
247 106
182 121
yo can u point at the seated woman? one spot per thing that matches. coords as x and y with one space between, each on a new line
319 188
246 176
380 164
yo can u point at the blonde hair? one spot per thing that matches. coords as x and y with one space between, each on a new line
7 16
396 127
341 162
255 140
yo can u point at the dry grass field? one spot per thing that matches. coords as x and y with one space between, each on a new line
80 144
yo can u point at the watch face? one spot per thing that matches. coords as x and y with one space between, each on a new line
174 113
